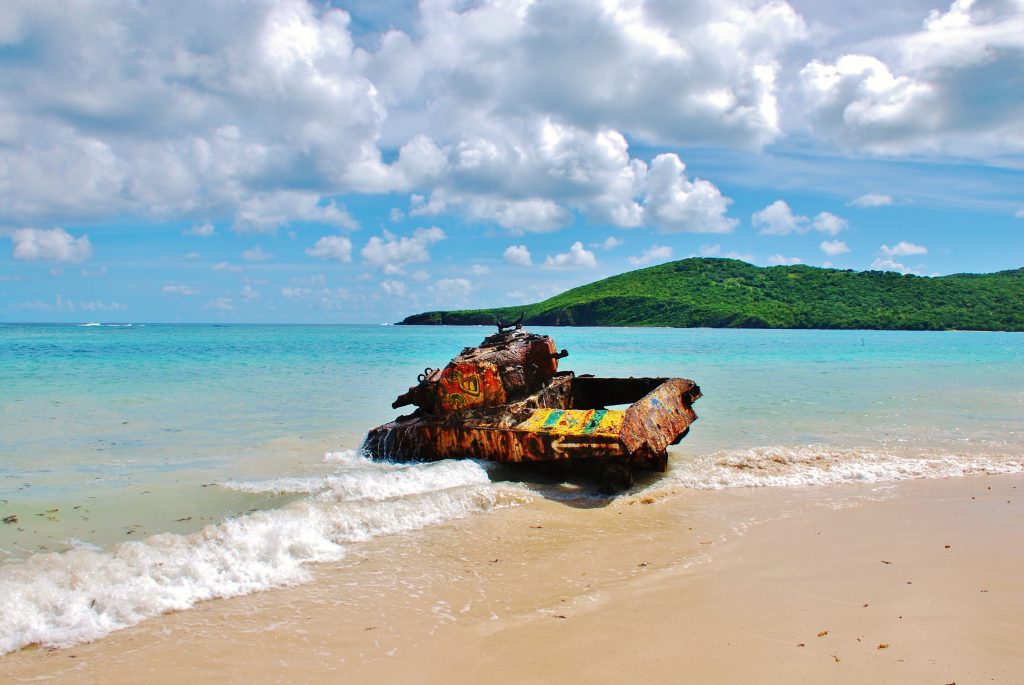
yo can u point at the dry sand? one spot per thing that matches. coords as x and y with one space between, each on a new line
913 582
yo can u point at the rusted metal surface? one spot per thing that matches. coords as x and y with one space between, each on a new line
506 401
507 366
421 440
661 417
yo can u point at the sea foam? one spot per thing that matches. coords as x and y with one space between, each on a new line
60 599
825 465
386 481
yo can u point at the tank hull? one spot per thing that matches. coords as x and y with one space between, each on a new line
567 420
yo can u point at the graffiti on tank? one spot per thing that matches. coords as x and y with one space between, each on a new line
470 386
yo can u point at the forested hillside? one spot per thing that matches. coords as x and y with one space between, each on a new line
730 293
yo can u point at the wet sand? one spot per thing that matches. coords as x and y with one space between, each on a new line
910 582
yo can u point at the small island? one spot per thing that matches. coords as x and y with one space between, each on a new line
729 293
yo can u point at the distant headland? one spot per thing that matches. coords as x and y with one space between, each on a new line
728 293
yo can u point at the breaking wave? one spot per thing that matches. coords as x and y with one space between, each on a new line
60 599
94 324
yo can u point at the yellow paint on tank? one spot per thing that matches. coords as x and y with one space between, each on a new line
574 421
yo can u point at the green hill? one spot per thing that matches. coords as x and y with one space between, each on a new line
727 293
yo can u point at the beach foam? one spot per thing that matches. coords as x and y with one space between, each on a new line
63 598
365 480
824 465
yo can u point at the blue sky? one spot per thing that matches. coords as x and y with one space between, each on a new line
287 161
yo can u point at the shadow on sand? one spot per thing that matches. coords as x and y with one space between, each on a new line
573 488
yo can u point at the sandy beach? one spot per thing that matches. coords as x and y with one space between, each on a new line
912 582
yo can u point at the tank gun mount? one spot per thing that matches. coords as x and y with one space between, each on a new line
516 325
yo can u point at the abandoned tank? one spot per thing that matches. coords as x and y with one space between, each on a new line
506 401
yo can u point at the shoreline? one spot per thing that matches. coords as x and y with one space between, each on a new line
681 328
722 585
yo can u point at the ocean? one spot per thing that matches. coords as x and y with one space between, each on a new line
145 467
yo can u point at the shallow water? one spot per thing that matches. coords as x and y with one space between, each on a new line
204 461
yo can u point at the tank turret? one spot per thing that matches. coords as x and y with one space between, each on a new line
505 367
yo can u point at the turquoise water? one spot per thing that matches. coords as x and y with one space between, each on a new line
114 409
225 452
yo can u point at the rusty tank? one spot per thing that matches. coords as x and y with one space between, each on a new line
506 401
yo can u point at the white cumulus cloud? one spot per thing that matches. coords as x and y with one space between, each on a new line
666 73
512 112
610 243
920 92
535 215
576 258
49 245
221 104
516 113
518 254
394 288
675 203
827 222
778 219
834 247
391 253
886 262
336 247
265 213
903 248
779 260
655 254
